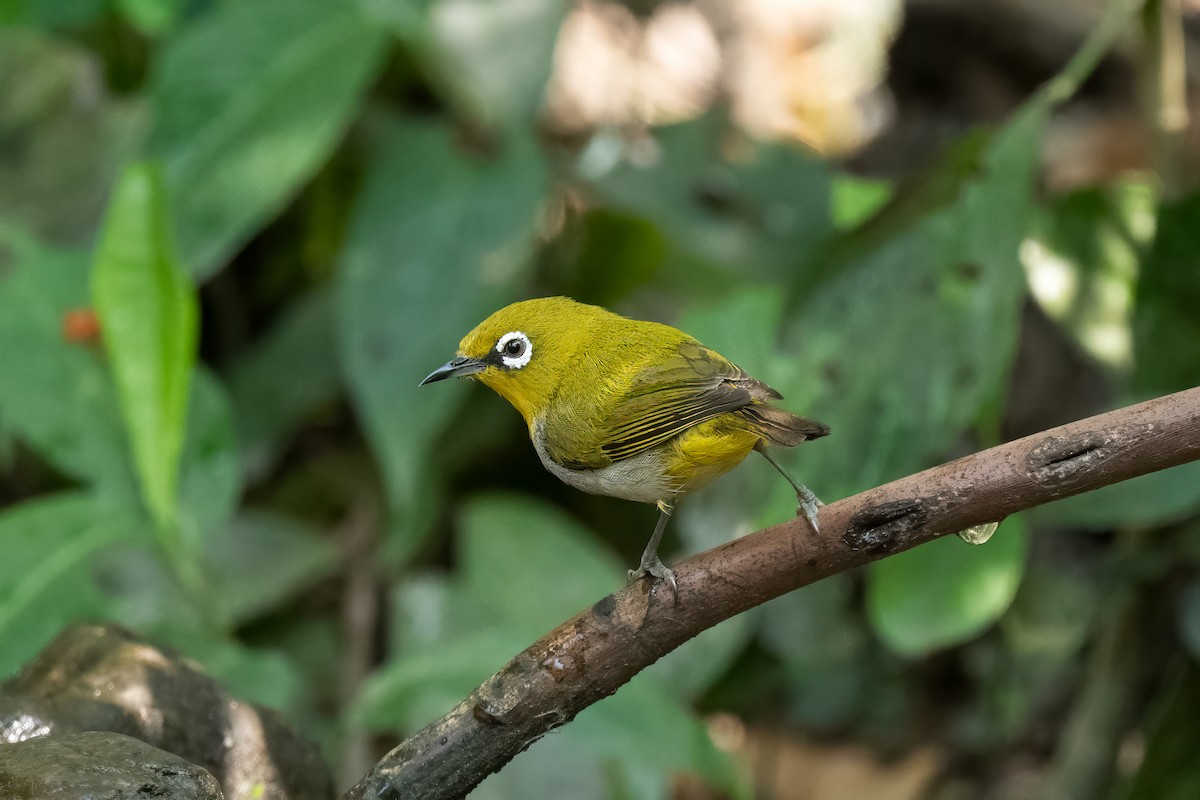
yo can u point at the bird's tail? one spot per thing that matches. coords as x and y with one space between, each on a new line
782 427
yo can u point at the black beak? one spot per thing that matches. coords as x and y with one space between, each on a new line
455 368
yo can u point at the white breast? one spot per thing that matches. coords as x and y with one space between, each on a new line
639 478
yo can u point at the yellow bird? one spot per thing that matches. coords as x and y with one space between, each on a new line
627 408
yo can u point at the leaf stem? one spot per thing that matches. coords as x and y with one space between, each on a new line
1115 22
1164 90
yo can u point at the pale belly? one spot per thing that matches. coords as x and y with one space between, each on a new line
640 478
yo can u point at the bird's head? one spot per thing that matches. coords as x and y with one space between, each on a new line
524 350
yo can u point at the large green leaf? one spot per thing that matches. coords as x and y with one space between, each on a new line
250 673
558 760
55 391
417 688
51 13
61 153
526 568
46 579
1166 322
428 608
643 725
855 200
148 316
506 536
1083 265
1160 498
59 397
910 342
760 214
210 477
511 549
249 101
151 17
1055 611
439 240
945 592
824 644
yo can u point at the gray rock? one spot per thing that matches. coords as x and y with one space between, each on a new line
99 766
101 678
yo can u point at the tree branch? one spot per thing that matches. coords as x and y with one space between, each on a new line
590 656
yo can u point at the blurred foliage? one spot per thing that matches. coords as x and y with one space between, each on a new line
235 235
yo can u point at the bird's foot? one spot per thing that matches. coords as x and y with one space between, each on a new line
807 508
653 566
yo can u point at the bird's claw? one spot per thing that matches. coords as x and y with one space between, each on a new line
656 569
807 508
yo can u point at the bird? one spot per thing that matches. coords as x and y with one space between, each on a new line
628 408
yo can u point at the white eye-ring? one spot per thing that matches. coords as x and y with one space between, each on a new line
515 349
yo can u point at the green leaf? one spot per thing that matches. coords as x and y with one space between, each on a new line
945 592
1084 270
491 59
856 200
692 668
439 240
271 401
427 609
249 673
81 432
1166 325
249 102
147 312
554 761
526 567
1054 613
825 646
643 724
61 153
142 592
51 14
151 17
506 537
416 689
261 559
610 238
56 394
1160 498
46 579
210 478
911 341
453 635
759 214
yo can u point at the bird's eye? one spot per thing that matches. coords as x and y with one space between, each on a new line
515 349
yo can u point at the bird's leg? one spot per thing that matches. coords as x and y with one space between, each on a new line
651 564
808 502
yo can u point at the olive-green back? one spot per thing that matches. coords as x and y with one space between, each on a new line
633 386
